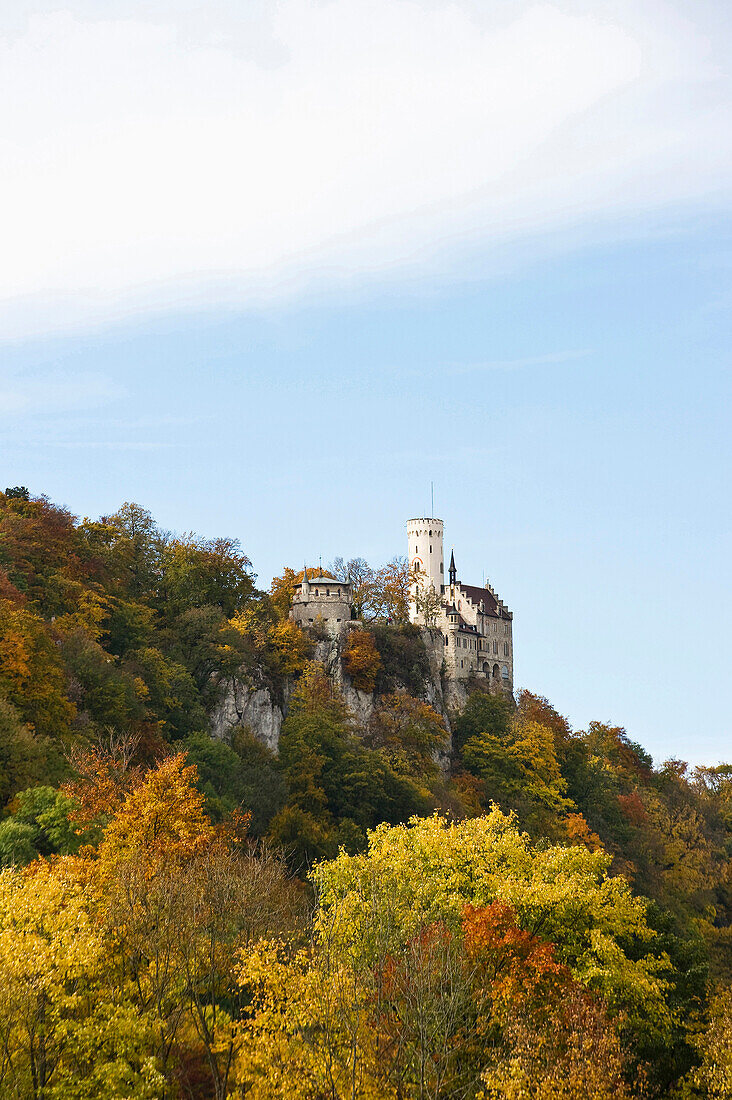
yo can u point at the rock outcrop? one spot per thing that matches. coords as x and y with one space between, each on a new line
243 703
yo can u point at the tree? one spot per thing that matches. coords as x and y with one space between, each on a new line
391 591
429 870
403 658
32 676
483 713
282 592
205 573
428 605
66 1027
134 546
410 733
714 1075
361 659
362 578
520 772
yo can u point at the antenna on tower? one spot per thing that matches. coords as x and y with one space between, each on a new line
432 490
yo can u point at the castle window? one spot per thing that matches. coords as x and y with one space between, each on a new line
338 620
504 672
442 568
430 548
461 664
430 534
495 647
505 649
327 592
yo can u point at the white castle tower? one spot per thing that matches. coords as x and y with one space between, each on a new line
426 557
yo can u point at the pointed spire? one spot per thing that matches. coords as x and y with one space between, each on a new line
305 586
452 571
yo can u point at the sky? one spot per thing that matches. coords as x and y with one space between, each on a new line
272 269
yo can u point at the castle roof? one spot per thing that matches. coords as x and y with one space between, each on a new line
490 603
318 575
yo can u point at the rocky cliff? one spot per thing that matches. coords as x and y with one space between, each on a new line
252 703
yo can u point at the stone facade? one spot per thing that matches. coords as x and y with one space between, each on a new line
475 624
322 600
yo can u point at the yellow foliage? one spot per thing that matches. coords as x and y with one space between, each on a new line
163 817
361 659
66 1027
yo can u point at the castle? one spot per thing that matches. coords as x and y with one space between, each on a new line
476 626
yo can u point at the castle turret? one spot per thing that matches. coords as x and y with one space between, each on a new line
426 558
453 570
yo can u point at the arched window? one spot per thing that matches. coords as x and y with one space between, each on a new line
504 672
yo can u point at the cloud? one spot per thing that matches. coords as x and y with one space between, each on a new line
168 155
550 359
53 393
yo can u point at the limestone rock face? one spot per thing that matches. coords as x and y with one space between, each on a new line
244 704
240 704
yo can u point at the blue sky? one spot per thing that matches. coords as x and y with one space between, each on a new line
270 276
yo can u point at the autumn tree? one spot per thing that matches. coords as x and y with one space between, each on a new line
391 591
361 659
410 733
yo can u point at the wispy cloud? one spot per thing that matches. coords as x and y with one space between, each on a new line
55 393
152 162
551 359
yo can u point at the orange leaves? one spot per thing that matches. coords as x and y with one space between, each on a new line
579 832
633 808
105 777
516 964
361 660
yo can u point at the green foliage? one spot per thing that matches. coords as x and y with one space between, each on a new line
482 714
331 777
49 813
25 758
404 662
241 776
170 691
17 843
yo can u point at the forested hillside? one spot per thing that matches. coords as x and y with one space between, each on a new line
476 903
